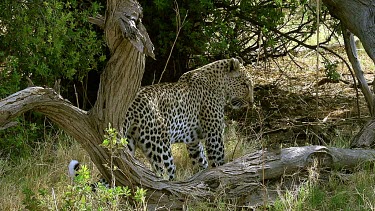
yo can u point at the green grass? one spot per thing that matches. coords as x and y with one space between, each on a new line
40 182
354 192
43 171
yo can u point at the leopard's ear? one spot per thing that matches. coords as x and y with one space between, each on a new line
239 59
234 64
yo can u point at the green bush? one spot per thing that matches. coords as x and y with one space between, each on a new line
44 41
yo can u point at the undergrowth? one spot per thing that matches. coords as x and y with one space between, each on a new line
340 191
41 182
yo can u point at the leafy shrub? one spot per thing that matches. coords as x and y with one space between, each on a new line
331 70
44 41
83 194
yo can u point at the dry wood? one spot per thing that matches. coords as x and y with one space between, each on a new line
358 17
351 51
366 137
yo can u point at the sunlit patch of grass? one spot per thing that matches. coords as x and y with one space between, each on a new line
340 191
236 144
45 169
184 167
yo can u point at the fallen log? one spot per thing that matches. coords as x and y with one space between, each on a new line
248 179
365 138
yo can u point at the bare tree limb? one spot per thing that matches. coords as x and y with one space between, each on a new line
351 51
98 20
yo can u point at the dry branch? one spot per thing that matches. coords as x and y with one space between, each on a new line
351 51
241 180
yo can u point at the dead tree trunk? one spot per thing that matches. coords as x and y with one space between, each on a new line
357 17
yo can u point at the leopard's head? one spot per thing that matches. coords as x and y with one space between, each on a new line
227 75
239 86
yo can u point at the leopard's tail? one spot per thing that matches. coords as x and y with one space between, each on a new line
73 169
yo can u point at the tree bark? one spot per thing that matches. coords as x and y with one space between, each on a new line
366 136
351 51
358 16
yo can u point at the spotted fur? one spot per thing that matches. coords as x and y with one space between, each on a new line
189 111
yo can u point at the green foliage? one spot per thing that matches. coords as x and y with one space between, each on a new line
80 196
140 195
114 144
111 140
18 141
331 70
44 41
30 200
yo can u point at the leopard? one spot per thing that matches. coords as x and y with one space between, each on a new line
189 111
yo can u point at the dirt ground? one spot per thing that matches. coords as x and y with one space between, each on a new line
297 105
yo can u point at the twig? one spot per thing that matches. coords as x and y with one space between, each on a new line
258 56
98 20
8 125
179 27
317 55
76 94
29 82
54 199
